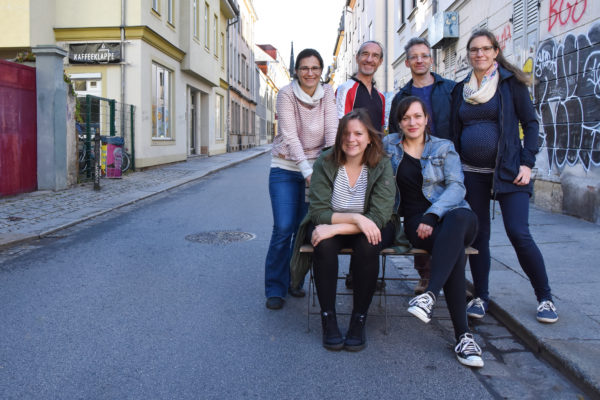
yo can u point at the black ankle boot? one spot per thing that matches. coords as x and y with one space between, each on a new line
356 338
332 337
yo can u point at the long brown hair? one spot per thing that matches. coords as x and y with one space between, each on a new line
374 150
520 75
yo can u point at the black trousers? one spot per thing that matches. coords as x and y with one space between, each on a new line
365 267
455 231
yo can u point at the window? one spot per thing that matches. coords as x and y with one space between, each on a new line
215 36
402 14
206 31
219 106
170 11
195 18
161 102
222 50
244 71
155 6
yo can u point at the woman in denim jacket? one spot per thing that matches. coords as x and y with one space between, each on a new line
431 197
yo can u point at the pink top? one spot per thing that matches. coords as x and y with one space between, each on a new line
304 130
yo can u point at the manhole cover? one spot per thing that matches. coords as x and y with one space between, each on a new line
220 237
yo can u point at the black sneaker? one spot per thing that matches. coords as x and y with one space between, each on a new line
421 306
468 352
275 303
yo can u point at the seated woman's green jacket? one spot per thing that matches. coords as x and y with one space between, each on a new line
379 204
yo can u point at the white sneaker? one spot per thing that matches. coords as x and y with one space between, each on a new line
468 352
421 306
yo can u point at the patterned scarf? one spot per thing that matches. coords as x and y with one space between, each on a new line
482 94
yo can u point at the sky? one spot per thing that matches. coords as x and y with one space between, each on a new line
308 23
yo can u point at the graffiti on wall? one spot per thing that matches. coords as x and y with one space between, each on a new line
565 12
504 37
567 97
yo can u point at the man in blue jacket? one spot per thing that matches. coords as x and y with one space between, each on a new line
436 93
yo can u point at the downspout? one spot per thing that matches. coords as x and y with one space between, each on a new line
229 48
387 28
434 10
122 65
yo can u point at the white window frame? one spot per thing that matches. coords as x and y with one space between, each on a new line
219 118
162 107
170 12
215 35
195 18
206 26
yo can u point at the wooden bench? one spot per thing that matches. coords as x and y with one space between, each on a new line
387 252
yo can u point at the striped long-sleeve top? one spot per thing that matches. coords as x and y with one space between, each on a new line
304 130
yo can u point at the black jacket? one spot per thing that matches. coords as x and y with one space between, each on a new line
441 97
515 107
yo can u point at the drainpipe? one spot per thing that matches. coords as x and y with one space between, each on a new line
122 65
228 125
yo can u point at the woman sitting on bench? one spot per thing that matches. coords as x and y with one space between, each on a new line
351 199
436 217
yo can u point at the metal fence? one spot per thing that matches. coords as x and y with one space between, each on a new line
96 117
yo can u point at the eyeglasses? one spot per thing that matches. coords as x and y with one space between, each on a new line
423 57
366 54
485 49
314 70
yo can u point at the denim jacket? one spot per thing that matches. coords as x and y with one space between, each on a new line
442 173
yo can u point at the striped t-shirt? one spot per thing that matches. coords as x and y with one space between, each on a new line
349 199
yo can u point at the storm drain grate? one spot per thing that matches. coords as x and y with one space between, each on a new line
220 237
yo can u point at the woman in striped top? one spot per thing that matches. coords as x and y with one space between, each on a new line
307 122
351 200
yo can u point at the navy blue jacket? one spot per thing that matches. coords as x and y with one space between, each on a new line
515 107
441 97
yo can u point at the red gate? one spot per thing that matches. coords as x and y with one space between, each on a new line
18 122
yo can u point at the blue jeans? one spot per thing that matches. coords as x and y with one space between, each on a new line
287 190
515 214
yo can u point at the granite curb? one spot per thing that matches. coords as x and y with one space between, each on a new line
563 361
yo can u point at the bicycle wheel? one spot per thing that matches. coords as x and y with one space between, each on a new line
125 161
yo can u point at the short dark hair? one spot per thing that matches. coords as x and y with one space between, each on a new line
374 151
405 104
415 41
370 42
305 54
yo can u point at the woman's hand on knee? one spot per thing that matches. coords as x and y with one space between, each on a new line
370 230
424 231
322 232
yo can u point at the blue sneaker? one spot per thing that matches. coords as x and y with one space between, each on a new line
546 312
477 308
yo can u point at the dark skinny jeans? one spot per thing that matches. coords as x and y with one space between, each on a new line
455 231
365 262
515 214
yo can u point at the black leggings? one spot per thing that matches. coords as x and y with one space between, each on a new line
365 262
446 245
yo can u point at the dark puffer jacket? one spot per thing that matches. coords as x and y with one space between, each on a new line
515 107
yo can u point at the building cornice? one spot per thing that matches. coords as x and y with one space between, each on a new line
143 33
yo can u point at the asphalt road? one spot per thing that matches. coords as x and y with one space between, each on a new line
124 307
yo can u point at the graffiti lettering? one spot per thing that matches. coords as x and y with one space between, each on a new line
562 11
504 37
567 99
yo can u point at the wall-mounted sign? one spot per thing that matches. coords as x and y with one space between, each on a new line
94 53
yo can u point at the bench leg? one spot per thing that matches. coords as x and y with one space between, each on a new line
310 292
383 262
